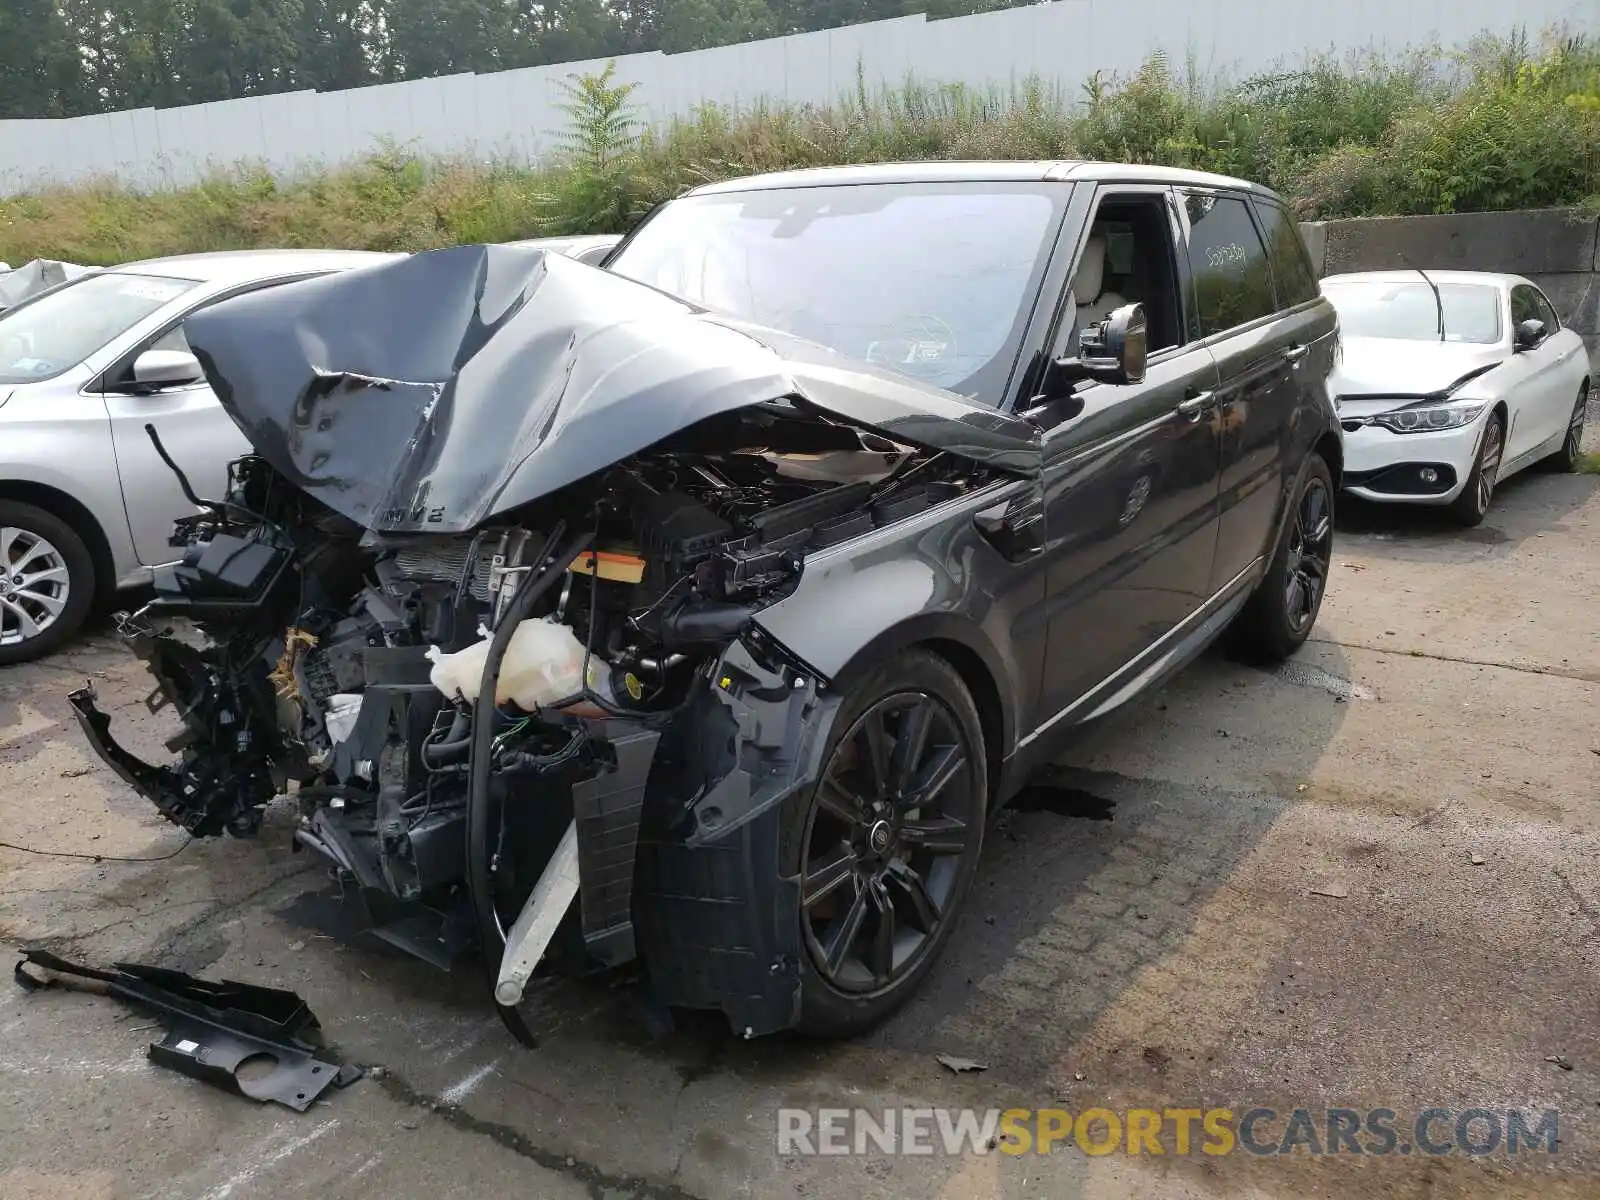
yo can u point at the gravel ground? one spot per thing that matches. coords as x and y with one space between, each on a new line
1371 878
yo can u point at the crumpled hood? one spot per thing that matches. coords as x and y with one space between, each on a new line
34 277
1394 368
436 391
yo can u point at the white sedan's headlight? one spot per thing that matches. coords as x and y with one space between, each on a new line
1431 417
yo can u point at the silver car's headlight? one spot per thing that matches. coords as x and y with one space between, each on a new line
1431 416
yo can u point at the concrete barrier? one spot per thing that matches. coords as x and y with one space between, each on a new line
1559 249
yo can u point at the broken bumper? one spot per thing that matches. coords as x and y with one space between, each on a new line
694 886
158 785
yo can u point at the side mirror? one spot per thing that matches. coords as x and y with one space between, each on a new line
1529 334
1113 351
166 368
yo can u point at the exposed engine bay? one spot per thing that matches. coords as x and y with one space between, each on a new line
343 668
484 606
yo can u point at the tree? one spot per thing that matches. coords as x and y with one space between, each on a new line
336 44
696 24
445 37
39 73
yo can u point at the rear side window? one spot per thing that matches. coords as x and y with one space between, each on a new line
1291 264
1232 276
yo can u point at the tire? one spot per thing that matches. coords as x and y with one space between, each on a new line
1566 458
1282 611
852 845
55 592
1472 505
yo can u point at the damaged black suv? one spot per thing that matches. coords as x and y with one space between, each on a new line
699 608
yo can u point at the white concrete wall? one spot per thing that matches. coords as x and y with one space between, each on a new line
513 113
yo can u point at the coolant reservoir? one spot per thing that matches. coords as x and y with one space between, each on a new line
543 664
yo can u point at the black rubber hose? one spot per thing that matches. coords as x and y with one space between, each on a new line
552 561
450 747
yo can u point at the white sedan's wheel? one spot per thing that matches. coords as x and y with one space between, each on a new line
1470 507
1566 458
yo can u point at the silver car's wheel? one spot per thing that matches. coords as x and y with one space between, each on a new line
47 581
34 588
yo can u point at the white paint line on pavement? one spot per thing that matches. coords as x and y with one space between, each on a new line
457 1092
225 1189
88 1067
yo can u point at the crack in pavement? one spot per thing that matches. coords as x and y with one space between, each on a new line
1563 672
60 941
223 908
600 1184
692 1075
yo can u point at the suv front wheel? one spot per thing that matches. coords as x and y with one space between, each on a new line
47 582
887 842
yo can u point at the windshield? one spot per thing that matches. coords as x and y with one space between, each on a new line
57 330
933 280
1405 309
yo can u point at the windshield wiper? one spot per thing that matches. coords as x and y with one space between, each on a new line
1438 300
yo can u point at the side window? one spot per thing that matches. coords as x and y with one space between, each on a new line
1523 306
173 339
1547 312
1232 277
1127 258
1528 304
1291 263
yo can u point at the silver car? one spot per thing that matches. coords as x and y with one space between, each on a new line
86 503
591 248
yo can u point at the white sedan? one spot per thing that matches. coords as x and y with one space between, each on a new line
1451 381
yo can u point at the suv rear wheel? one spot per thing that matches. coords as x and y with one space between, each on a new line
1281 612
887 843
47 582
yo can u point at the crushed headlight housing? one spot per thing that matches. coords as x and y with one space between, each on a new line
1431 417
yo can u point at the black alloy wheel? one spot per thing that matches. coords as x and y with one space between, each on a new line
1282 610
888 844
1310 556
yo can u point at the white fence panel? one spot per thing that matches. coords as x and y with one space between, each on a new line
516 114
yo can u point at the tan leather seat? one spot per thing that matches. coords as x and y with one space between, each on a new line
1094 305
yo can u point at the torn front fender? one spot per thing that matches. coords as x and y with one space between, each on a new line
718 919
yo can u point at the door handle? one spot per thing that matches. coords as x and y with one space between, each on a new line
1294 354
1194 405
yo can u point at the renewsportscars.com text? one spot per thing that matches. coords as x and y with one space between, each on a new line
1474 1132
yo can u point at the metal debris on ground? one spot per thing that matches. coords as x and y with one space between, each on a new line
211 1028
958 1065
1334 891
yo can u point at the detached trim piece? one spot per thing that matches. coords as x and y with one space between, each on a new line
212 1028
536 925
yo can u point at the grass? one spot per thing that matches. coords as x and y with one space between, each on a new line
1504 125
1589 464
